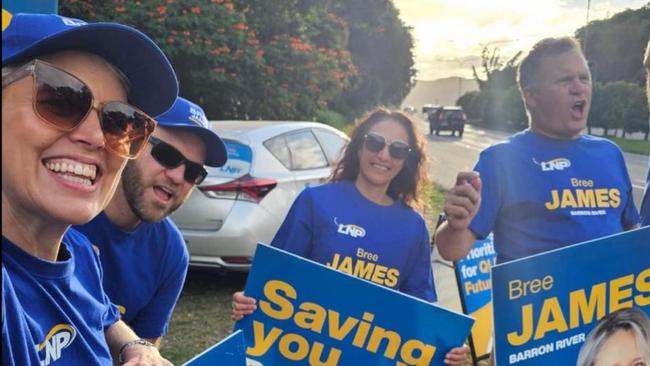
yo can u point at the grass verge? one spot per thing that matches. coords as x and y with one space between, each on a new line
632 146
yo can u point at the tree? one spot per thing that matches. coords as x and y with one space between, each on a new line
500 106
619 105
382 49
233 59
614 46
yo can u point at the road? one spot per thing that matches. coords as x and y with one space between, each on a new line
449 155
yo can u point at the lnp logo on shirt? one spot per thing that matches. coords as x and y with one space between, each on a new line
59 338
352 230
555 164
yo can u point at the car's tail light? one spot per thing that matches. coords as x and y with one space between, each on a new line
246 188
237 260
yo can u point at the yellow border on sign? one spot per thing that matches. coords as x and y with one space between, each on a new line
6 19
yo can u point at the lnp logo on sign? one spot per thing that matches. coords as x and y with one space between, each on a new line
555 164
350 230
58 339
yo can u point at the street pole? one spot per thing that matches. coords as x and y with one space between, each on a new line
584 43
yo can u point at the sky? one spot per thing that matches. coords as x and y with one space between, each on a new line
450 34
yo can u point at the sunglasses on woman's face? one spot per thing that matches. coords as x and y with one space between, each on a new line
63 101
170 158
375 142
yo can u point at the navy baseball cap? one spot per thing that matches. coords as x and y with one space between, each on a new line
187 115
154 86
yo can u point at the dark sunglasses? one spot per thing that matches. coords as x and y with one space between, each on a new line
397 149
170 158
63 101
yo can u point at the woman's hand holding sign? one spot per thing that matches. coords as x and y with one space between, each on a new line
242 305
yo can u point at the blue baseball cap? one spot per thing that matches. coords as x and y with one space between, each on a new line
187 115
154 86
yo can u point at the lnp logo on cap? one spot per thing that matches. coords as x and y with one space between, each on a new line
72 22
197 116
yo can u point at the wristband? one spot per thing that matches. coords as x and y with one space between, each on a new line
135 342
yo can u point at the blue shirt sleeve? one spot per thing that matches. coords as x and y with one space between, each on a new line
418 281
153 319
295 233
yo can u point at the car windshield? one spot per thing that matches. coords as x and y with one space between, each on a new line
453 114
238 164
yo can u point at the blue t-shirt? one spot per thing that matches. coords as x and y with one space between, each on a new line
144 270
55 312
335 225
541 193
645 204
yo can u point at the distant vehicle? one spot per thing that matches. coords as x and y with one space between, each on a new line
245 201
447 119
428 108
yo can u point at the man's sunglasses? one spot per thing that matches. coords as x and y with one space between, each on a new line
63 101
397 149
170 158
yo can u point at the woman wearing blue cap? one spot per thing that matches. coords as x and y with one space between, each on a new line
77 99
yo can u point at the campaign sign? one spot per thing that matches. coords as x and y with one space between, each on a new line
309 314
475 289
229 352
545 305
10 7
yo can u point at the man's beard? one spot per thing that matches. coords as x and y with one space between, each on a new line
134 193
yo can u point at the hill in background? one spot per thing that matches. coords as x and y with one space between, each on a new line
439 91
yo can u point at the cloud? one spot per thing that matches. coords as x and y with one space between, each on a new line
452 32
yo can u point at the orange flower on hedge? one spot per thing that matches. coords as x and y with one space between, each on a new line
196 10
259 54
162 9
120 9
241 26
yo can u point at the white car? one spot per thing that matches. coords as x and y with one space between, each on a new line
246 200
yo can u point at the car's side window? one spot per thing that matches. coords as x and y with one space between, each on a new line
332 144
278 147
306 152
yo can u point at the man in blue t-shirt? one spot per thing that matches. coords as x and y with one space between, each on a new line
548 186
645 204
142 252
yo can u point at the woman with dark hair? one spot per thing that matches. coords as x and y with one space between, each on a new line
621 338
365 216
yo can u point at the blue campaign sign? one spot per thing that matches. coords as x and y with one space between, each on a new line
545 305
309 314
229 352
10 7
475 289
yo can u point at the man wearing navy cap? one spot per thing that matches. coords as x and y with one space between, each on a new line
142 252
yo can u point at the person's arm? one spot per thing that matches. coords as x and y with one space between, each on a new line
118 335
453 238
152 320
